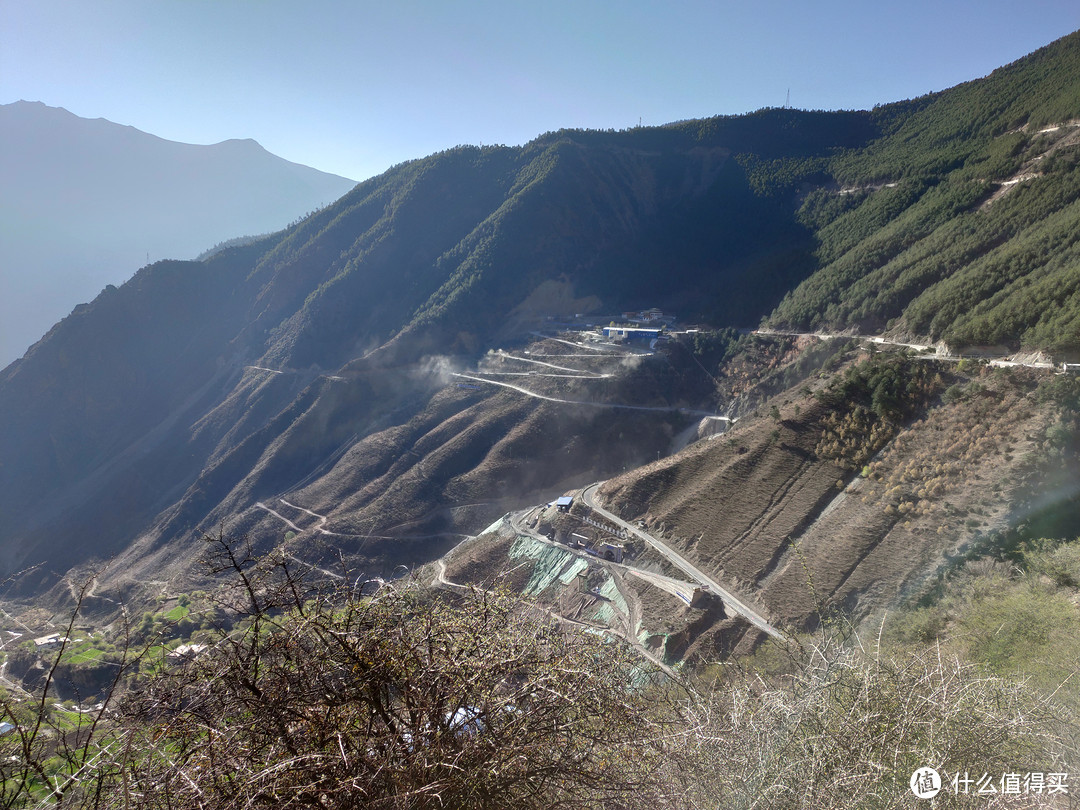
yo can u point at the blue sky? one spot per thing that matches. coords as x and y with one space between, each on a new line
355 87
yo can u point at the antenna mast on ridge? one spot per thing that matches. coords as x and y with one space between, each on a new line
787 102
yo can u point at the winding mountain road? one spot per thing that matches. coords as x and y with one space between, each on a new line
881 340
588 495
508 356
651 408
365 536
604 351
539 374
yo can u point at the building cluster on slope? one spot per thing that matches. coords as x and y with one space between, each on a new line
644 325
601 540
647 316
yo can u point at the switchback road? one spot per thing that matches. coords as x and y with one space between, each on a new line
660 409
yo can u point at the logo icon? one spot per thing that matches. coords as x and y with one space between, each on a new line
926 783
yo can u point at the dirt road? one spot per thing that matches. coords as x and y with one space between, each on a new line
650 408
880 340
588 495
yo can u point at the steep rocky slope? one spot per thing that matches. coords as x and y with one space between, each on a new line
846 492
153 404
310 366
779 510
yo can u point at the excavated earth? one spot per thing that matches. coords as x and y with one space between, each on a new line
803 535
793 530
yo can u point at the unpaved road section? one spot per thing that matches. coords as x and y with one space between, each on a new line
578 371
676 587
597 349
654 409
588 495
881 340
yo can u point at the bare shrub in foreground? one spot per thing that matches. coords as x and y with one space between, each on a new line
404 699
320 697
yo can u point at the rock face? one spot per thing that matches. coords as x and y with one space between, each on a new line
86 202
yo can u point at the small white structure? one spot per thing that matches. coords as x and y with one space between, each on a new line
577 540
54 640
185 652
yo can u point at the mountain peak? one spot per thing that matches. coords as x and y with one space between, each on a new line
241 143
88 200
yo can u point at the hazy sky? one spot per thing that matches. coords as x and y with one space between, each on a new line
354 87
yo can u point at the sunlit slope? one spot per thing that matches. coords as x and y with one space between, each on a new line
960 223
197 390
832 502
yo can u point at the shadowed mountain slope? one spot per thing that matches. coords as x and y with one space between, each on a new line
315 360
203 383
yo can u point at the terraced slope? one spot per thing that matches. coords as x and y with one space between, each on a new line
774 508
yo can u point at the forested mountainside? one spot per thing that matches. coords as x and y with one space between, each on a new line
315 359
959 223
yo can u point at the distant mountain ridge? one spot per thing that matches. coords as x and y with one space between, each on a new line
84 202
179 401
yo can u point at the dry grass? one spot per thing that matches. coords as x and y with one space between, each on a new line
847 727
